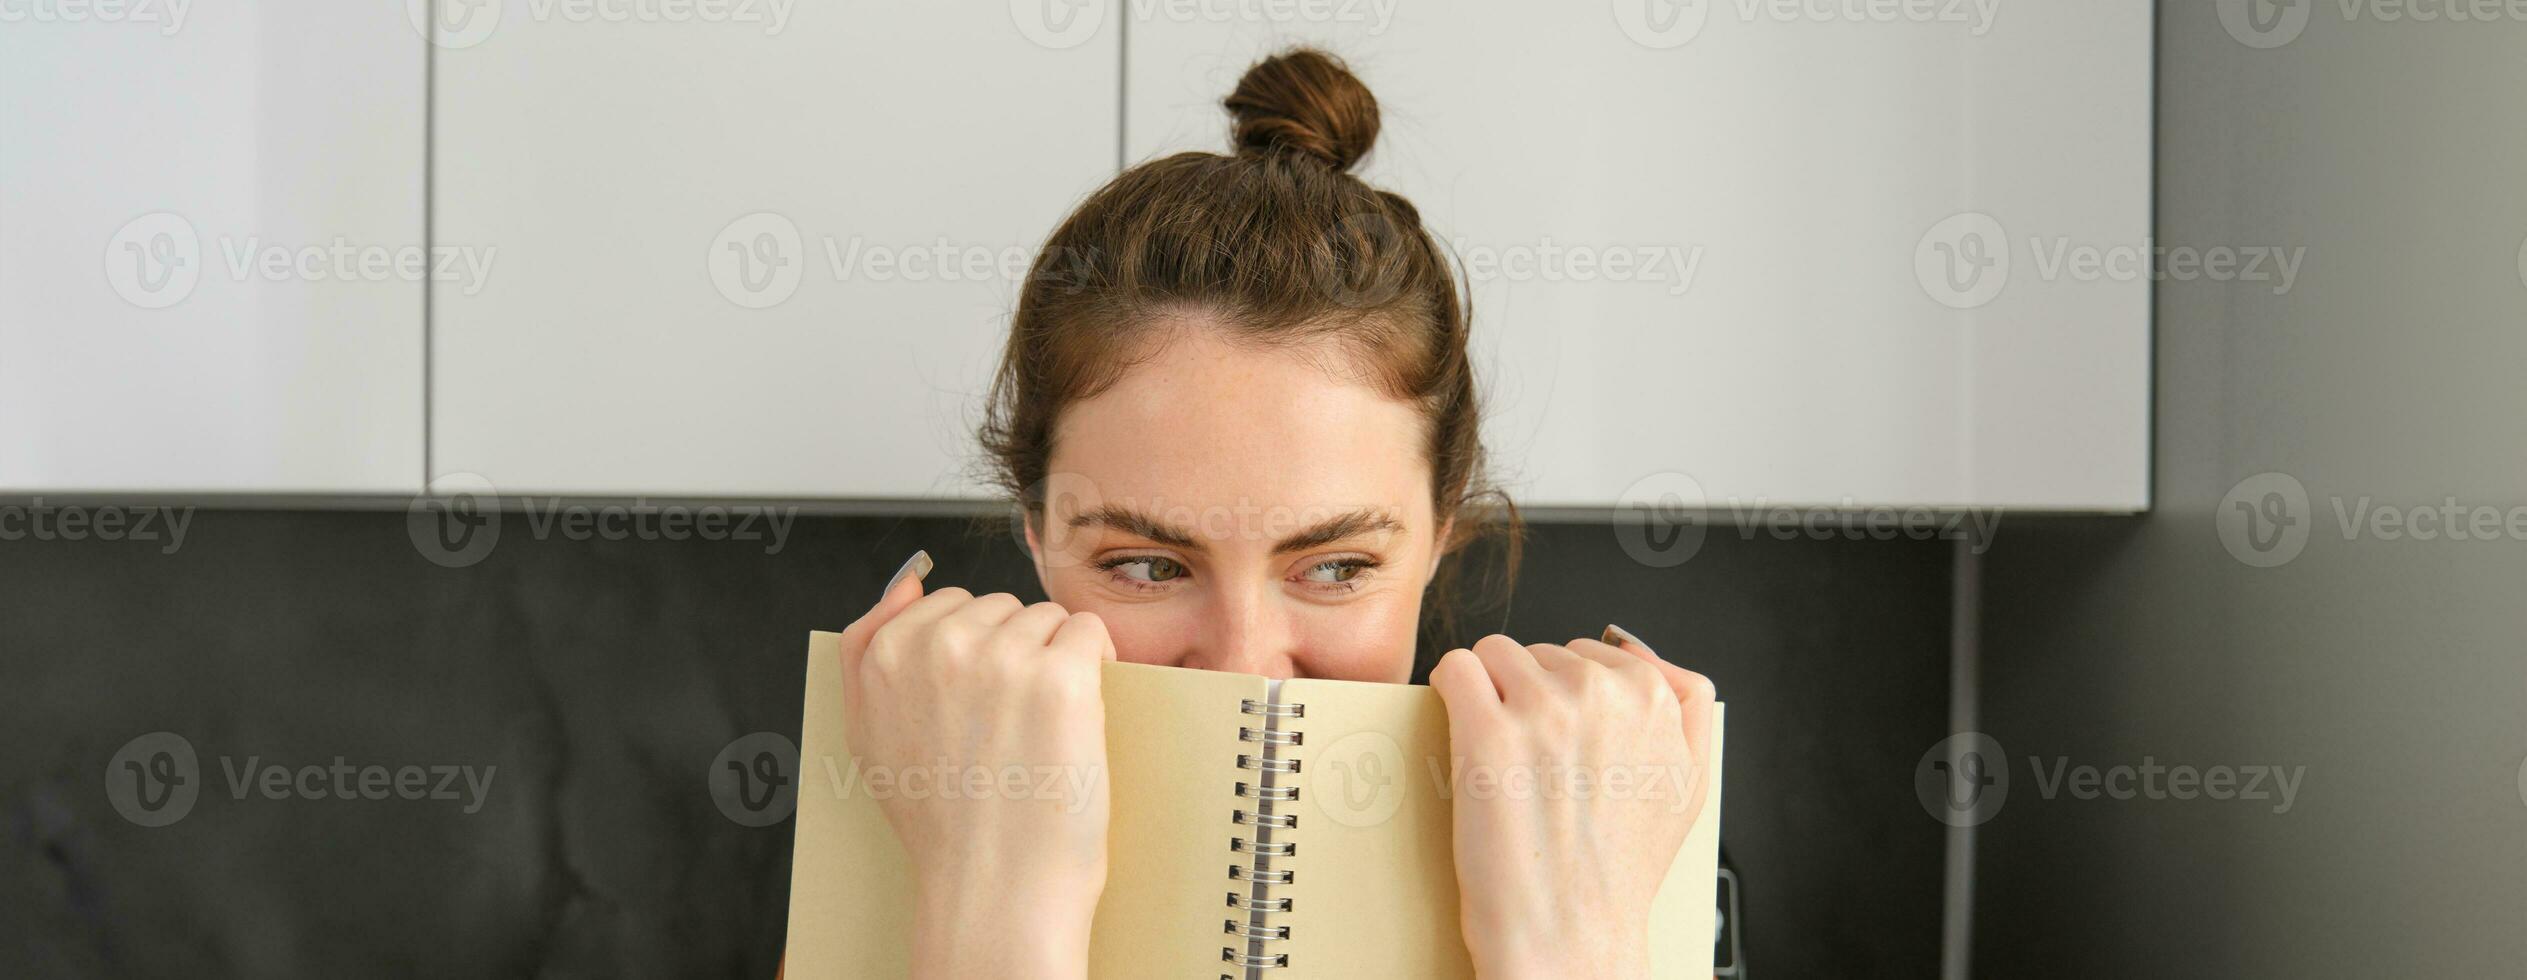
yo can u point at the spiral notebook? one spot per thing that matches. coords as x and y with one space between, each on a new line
1260 828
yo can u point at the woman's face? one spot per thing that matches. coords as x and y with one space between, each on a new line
1242 510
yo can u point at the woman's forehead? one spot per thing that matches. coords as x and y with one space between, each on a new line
1211 427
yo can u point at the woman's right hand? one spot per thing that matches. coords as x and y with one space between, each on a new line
985 715
1558 867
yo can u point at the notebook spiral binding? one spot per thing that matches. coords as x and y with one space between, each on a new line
1269 844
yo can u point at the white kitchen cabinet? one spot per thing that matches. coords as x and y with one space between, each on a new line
1798 167
769 250
202 209
741 258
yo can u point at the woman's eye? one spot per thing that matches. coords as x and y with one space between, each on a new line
1337 570
1151 569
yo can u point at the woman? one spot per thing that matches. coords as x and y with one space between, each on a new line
1237 411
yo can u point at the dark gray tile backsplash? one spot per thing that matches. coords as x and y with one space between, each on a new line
567 698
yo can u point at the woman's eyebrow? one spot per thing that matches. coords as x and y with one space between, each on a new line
1134 522
1339 527
1353 524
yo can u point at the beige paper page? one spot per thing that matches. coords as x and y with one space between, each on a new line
1684 918
1171 746
1171 736
1373 884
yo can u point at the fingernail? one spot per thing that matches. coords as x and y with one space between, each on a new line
1616 636
917 566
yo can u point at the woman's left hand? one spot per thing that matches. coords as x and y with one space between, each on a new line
1582 770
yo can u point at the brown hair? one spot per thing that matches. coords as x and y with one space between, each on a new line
1287 250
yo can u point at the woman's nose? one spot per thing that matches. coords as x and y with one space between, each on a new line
1248 635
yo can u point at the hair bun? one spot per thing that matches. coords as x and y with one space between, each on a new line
1304 101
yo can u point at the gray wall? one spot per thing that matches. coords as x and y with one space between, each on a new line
2395 671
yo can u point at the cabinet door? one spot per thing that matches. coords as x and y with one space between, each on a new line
748 257
1692 234
210 234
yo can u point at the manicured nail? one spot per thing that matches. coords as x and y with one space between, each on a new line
917 566
1617 636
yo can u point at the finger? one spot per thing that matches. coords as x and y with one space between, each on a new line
1033 626
913 621
985 613
1555 659
1512 667
1614 658
1465 687
1083 633
1691 688
1694 695
899 593
927 611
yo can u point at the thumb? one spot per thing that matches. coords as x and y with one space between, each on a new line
900 592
